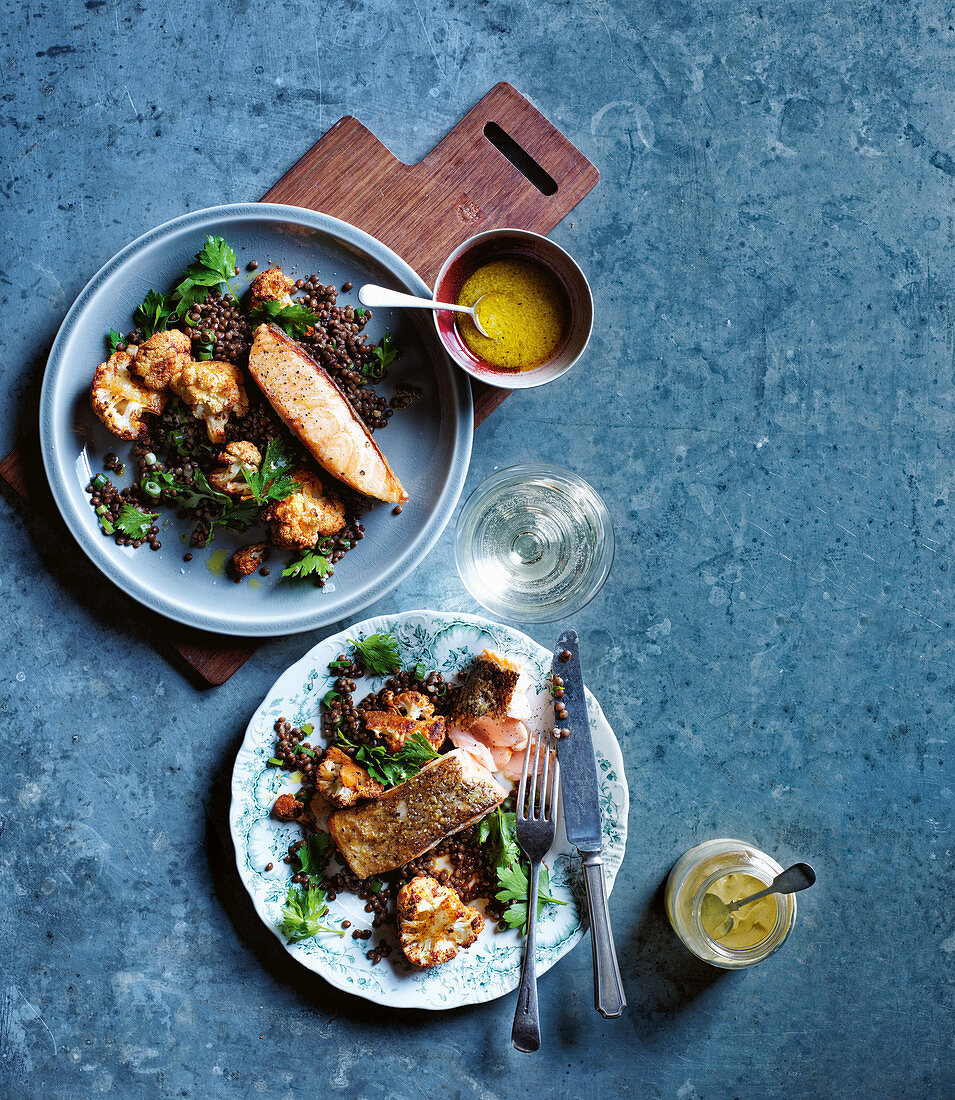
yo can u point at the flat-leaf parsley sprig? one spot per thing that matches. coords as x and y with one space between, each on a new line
379 652
305 907
153 313
273 481
134 522
214 265
497 830
384 353
392 768
302 914
311 566
296 320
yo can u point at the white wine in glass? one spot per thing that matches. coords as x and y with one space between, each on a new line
533 543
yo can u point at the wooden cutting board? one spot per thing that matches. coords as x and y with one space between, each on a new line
503 164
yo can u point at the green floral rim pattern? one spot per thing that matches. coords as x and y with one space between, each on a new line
491 968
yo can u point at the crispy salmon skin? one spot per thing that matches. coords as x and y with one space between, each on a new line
487 691
315 409
447 795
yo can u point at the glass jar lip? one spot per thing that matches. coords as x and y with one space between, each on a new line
785 914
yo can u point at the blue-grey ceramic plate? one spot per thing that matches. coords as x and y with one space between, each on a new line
428 445
491 968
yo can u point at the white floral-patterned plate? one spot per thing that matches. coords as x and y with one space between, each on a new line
489 969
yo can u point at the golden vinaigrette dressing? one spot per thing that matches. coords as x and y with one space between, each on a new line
525 310
751 924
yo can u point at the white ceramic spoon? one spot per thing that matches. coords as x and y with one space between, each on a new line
379 297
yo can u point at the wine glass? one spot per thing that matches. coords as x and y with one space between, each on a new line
533 543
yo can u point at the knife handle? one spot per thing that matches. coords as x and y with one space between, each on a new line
608 986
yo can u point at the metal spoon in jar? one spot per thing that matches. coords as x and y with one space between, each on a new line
716 914
379 297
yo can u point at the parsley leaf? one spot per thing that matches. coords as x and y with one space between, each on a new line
295 319
498 830
112 339
379 652
216 258
513 882
134 522
153 313
385 352
309 564
235 514
313 855
393 768
272 481
215 264
302 914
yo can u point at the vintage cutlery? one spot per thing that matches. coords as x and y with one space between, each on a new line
535 827
581 812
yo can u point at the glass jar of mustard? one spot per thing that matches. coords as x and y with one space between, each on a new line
729 869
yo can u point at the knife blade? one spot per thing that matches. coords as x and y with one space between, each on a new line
580 807
580 800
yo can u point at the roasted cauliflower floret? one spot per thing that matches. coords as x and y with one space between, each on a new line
271 286
161 357
299 521
247 559
433 922
410 713
228 477
119 400
212 391
342 781
287 808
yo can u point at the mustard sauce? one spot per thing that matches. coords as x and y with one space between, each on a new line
753 923
524 309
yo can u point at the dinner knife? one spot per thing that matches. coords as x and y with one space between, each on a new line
580 804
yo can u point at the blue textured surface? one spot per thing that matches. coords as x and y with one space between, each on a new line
767 408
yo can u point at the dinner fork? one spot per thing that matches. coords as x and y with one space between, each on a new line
535 826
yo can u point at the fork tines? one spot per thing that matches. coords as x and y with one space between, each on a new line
538 803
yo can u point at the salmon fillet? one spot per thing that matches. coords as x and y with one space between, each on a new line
315 409
447 795
487 691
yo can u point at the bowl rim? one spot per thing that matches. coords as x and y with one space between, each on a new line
518 380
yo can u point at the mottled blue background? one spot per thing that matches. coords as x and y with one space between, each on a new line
767 408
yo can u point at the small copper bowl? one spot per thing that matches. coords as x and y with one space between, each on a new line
498 244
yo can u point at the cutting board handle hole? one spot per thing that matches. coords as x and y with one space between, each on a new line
521 159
